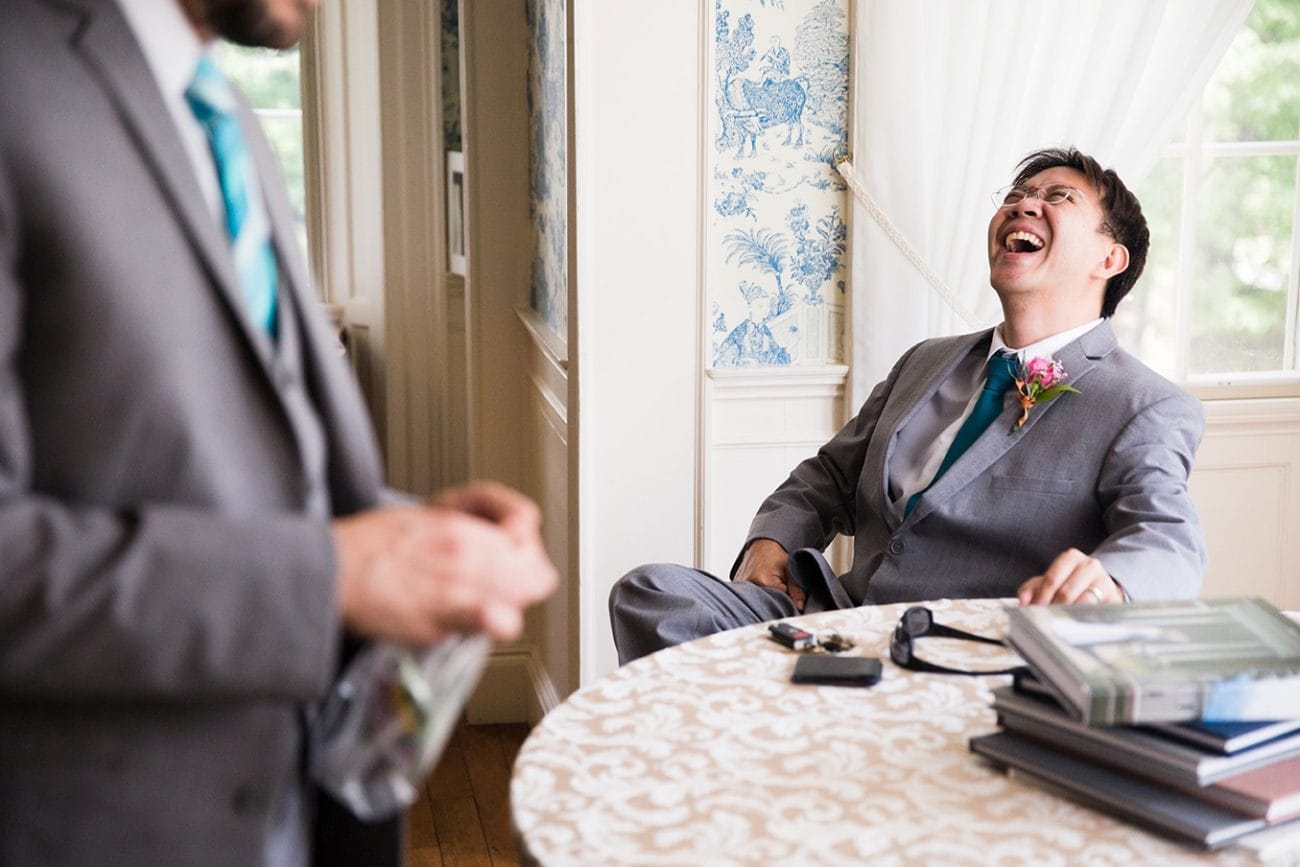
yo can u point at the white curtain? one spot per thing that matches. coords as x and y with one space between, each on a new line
951 94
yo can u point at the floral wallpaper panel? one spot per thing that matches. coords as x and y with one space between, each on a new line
548 199
776 219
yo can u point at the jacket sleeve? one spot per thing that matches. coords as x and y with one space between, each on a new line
159 601
1155 547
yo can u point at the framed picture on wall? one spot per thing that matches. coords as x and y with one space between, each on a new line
456 211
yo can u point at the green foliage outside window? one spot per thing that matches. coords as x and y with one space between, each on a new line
1239 279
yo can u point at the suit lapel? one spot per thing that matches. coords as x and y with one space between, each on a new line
1078 358
110 52
920 379
925 379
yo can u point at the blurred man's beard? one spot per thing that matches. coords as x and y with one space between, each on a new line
252 23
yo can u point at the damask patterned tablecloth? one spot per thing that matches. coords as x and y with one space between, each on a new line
706 754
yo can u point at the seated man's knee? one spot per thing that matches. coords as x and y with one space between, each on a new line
652 578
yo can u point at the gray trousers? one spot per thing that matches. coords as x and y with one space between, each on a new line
662 604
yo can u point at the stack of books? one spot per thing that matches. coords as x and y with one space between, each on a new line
1181 716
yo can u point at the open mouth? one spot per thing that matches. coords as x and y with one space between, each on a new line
1022 242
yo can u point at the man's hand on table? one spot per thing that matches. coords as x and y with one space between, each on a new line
764 564
1073 577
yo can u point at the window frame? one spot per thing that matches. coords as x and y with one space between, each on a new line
1195 151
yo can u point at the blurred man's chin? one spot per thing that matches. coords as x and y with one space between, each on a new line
257 23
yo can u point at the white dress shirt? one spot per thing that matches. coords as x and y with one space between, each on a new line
172 49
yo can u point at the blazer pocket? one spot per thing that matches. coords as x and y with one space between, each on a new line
1035 484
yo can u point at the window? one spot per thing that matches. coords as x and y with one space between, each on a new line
271 81
1216 307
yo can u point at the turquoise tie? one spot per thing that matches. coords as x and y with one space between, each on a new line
1001 373
213 102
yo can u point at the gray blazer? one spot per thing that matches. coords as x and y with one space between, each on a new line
167 602
1104 471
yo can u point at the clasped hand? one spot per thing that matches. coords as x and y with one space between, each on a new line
469 560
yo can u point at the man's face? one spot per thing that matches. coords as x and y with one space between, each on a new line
1055 250
256 23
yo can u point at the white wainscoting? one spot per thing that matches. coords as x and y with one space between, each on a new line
762 421
526 679
1245 488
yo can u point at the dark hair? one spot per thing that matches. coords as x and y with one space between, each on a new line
1121 213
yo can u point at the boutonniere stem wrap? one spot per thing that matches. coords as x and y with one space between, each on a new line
1038 381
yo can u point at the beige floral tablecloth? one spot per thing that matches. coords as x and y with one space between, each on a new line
706 754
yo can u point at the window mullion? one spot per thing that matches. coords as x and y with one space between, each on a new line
1293 281
1187 244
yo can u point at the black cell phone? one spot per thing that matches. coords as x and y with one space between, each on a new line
837 670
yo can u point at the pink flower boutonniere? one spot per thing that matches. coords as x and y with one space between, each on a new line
1039 381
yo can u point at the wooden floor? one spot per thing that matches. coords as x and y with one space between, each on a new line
463 816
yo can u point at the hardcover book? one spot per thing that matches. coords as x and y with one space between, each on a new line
1218 737
1132 798
1219 660
1161 758
1228 737
1263 782
1271 793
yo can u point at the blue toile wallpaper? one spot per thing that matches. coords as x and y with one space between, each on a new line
776 220
548 194
450 75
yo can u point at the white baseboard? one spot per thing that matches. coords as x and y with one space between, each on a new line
514 688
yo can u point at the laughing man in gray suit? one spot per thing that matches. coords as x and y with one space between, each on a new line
191 512
1077 498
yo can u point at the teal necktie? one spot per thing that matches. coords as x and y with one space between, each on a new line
1000 374
213 102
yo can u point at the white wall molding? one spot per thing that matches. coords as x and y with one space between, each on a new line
1253 417
762 422
551 625
829 373
515 687
548 371
545 340
1245 488
735 383
767 441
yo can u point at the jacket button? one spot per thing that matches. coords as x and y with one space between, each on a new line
896 547
282 376
249 800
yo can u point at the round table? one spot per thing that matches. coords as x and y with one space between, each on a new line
706 754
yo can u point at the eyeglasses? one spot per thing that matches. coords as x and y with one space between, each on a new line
917 622
1053 194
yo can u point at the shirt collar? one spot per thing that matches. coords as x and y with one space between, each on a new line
1044 348
168 42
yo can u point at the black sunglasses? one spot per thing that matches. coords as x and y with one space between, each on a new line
918 622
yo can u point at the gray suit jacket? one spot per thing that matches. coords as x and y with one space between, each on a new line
1104 471
167 604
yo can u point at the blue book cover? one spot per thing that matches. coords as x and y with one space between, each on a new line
1164 759
1224 738
1228 737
